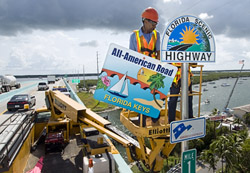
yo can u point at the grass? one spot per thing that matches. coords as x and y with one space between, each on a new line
211 76
93 104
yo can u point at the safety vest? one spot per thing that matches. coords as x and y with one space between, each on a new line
144 47
178 74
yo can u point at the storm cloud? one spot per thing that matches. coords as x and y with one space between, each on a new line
27 15
24 16
225 17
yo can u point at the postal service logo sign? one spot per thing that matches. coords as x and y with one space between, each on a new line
188 39
134 81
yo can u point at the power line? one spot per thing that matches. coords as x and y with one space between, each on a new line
198 2
192 6
97 64
222 5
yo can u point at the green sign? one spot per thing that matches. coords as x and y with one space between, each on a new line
75 80
188 161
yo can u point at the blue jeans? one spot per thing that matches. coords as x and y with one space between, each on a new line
172 103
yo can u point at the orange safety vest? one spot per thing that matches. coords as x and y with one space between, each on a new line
178 74
144 47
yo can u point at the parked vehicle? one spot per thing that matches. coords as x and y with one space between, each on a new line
51 79
19 101
42 86
7 82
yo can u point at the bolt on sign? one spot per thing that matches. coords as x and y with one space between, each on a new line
188 39
134 81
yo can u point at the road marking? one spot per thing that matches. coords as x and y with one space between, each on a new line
3 112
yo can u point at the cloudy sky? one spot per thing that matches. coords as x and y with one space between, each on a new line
67 36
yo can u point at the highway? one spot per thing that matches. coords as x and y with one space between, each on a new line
27 87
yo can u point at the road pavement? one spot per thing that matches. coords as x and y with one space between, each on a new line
29 87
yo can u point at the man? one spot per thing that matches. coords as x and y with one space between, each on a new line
146 40
175 89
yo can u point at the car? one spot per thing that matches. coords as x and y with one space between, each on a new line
42 86
18 102
62 89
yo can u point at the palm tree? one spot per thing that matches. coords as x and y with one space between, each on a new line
196 143
245 159
156 83
207 156
219 147
228 148
246 118
236 140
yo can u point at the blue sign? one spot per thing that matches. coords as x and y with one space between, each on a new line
188 39
134 81
187 129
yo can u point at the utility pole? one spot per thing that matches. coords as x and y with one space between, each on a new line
83 72
97 65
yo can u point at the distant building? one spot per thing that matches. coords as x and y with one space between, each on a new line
241 110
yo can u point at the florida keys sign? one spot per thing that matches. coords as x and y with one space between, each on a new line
134 81
188 39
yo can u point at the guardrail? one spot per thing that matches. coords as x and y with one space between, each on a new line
73 95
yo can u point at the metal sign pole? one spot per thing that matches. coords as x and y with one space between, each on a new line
184 98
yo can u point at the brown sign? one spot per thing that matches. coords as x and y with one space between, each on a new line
217 118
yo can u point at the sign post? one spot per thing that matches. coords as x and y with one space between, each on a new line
184 99
188 161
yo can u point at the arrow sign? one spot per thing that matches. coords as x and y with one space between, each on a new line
188 129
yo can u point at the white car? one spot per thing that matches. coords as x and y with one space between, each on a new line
42 86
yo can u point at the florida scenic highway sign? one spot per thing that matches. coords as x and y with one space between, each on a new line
188 39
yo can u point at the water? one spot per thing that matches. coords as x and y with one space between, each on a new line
217 96
114 118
